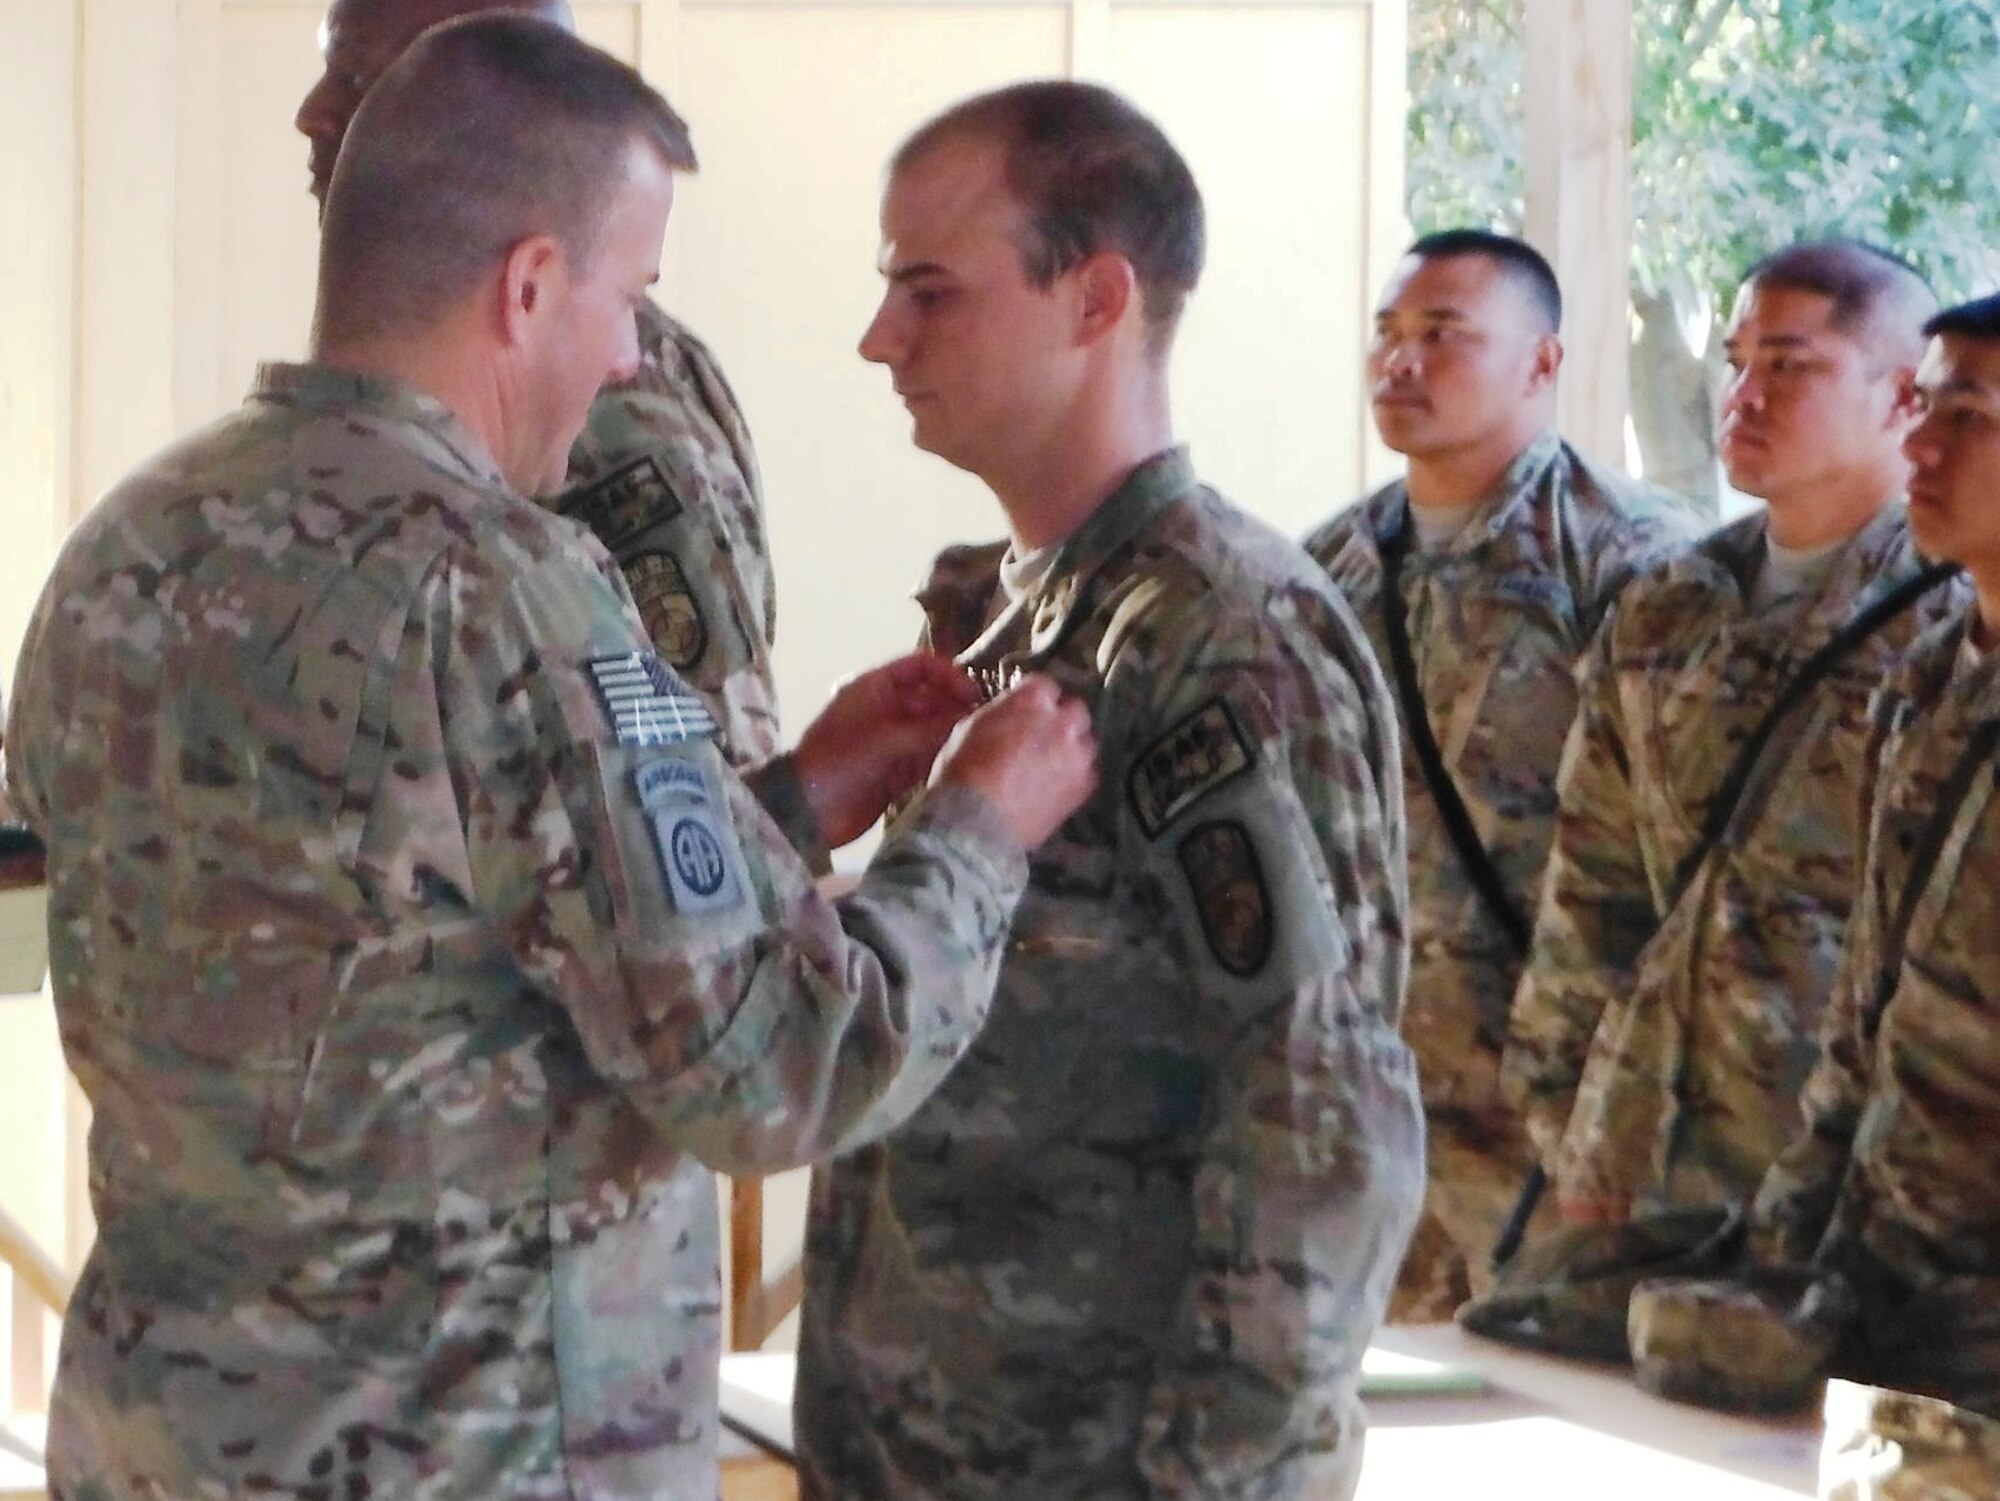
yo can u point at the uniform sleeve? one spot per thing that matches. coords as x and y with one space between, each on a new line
26 708
1596 913
671 482
643 889
1795 1202
1250 806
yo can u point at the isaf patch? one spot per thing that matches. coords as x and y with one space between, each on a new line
1201 753
624 503
1230 895
648 705
690 836
668 607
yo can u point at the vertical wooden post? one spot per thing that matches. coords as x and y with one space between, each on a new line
1578 98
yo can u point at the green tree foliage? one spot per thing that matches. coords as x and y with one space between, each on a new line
1755 122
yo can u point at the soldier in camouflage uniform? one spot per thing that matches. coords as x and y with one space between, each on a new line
1136 1245
664 473
410 936
1702 983
1894 1184
1519 545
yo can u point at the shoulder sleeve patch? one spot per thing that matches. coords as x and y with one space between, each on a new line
667 605
696 850
1202 752
624 503
1230 895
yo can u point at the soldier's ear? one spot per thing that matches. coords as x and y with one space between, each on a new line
530 277
1107 288
1547 362
1907 408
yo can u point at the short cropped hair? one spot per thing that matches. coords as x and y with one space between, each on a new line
1092 174
1978 319
1879 299
487 130
1517 260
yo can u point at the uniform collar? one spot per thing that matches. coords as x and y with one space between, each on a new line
1498 512
1053 602
446 440
1862 569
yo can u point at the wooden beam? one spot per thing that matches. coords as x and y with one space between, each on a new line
1578 102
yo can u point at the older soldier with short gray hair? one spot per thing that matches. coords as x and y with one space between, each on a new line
409 934
1137 1243
664 473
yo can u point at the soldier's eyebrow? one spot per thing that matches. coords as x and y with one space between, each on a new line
1426 314
913 272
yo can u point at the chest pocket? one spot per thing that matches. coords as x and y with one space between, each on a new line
1686 717
1497 669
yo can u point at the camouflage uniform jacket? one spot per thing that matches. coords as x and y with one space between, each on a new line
1136 1244
1497 621
665 477
1692 1030
412 941
1904 1104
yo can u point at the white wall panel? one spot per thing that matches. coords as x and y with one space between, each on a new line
1268 105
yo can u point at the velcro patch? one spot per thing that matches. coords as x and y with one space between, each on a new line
627 501
648 705
694 847
1230 895
1198 755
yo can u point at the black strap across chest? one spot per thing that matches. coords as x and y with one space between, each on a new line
1729 794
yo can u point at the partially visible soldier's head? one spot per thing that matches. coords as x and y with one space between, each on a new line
1465 351
1954 449
1822 344
499 206
358 40
1037 241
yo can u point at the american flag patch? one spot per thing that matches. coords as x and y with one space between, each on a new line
648 705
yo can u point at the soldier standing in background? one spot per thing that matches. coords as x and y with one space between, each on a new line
663 473
410 936
1704 865
1480 576
1893 1185
1137 1244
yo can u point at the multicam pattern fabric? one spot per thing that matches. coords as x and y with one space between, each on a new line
1891 1446
1703 1017
1893 1184
370 839
1137 1243
664 475
1497 621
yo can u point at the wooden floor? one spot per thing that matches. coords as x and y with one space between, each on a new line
758 1479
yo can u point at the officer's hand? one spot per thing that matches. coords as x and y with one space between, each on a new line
1032 755
876 738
